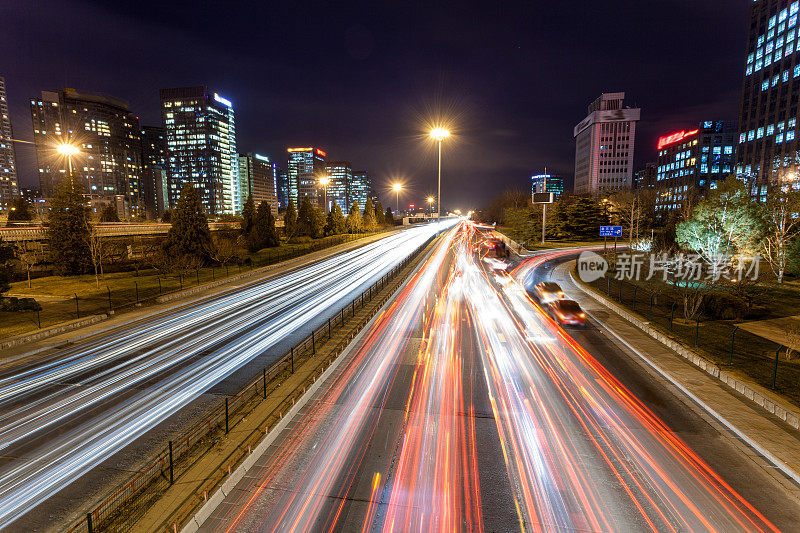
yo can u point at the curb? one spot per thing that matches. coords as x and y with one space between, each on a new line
53 331
754 393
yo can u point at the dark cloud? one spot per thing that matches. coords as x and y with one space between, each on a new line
362 79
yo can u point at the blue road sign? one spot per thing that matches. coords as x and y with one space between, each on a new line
611 231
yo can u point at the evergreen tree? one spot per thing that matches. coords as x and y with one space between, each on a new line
109 214
6 255
248 214
369 216
389 218
335 223
19 211
290 219
69 230
189 235
166 216
306 218
354 222
380 216
263 233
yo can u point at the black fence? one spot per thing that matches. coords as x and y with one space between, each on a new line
722 342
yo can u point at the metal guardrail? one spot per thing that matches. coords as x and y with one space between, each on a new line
119 511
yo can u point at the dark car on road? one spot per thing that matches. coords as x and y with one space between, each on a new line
567 312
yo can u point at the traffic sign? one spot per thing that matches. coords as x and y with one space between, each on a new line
611 231
543 198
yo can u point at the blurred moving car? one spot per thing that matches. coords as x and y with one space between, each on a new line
567 312
547 291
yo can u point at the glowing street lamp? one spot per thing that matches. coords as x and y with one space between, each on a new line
439 134
397 188
324 181
430 202
68 150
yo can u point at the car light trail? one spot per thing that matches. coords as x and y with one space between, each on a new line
179 356
585 452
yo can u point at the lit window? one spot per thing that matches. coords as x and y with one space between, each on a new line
765 85
770 131
759 133
785 75
729 150
789 136
742 138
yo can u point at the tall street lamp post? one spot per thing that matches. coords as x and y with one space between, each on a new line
397 188
68 150
439 134
324 181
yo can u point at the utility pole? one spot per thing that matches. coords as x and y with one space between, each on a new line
544 206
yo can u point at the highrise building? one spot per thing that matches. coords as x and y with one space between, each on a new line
9 186
646 177
201 147
360 189
154 171
283 187
768 148
306 165
548 183
257 178
693 161
340 174
604 143
106 135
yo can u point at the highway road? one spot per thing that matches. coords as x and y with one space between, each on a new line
64 415
464 407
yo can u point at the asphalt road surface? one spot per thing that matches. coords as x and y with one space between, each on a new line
464 407
73 410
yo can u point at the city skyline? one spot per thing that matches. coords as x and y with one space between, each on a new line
496 121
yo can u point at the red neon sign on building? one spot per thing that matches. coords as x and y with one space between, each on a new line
675 137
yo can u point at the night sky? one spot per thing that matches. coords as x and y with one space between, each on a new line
364 81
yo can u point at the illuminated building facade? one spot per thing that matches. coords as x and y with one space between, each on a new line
646 177
340 174
306 165
201 147
9 186
767 143
107 136
257 178
547 183
283 187
693 161
360 188
604 143
154 171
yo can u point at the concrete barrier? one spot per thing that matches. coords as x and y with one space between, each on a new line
53 331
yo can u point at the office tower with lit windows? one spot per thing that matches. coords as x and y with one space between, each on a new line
604 143
106 135
340 174
9 186
282 181
360 188
645 178
201 147
154 171
548 183
691 162
257 177
767 153
306 166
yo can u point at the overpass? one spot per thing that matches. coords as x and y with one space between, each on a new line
39 233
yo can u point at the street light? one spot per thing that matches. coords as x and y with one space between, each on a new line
439 134
324 181
68 150
430 202
397 188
